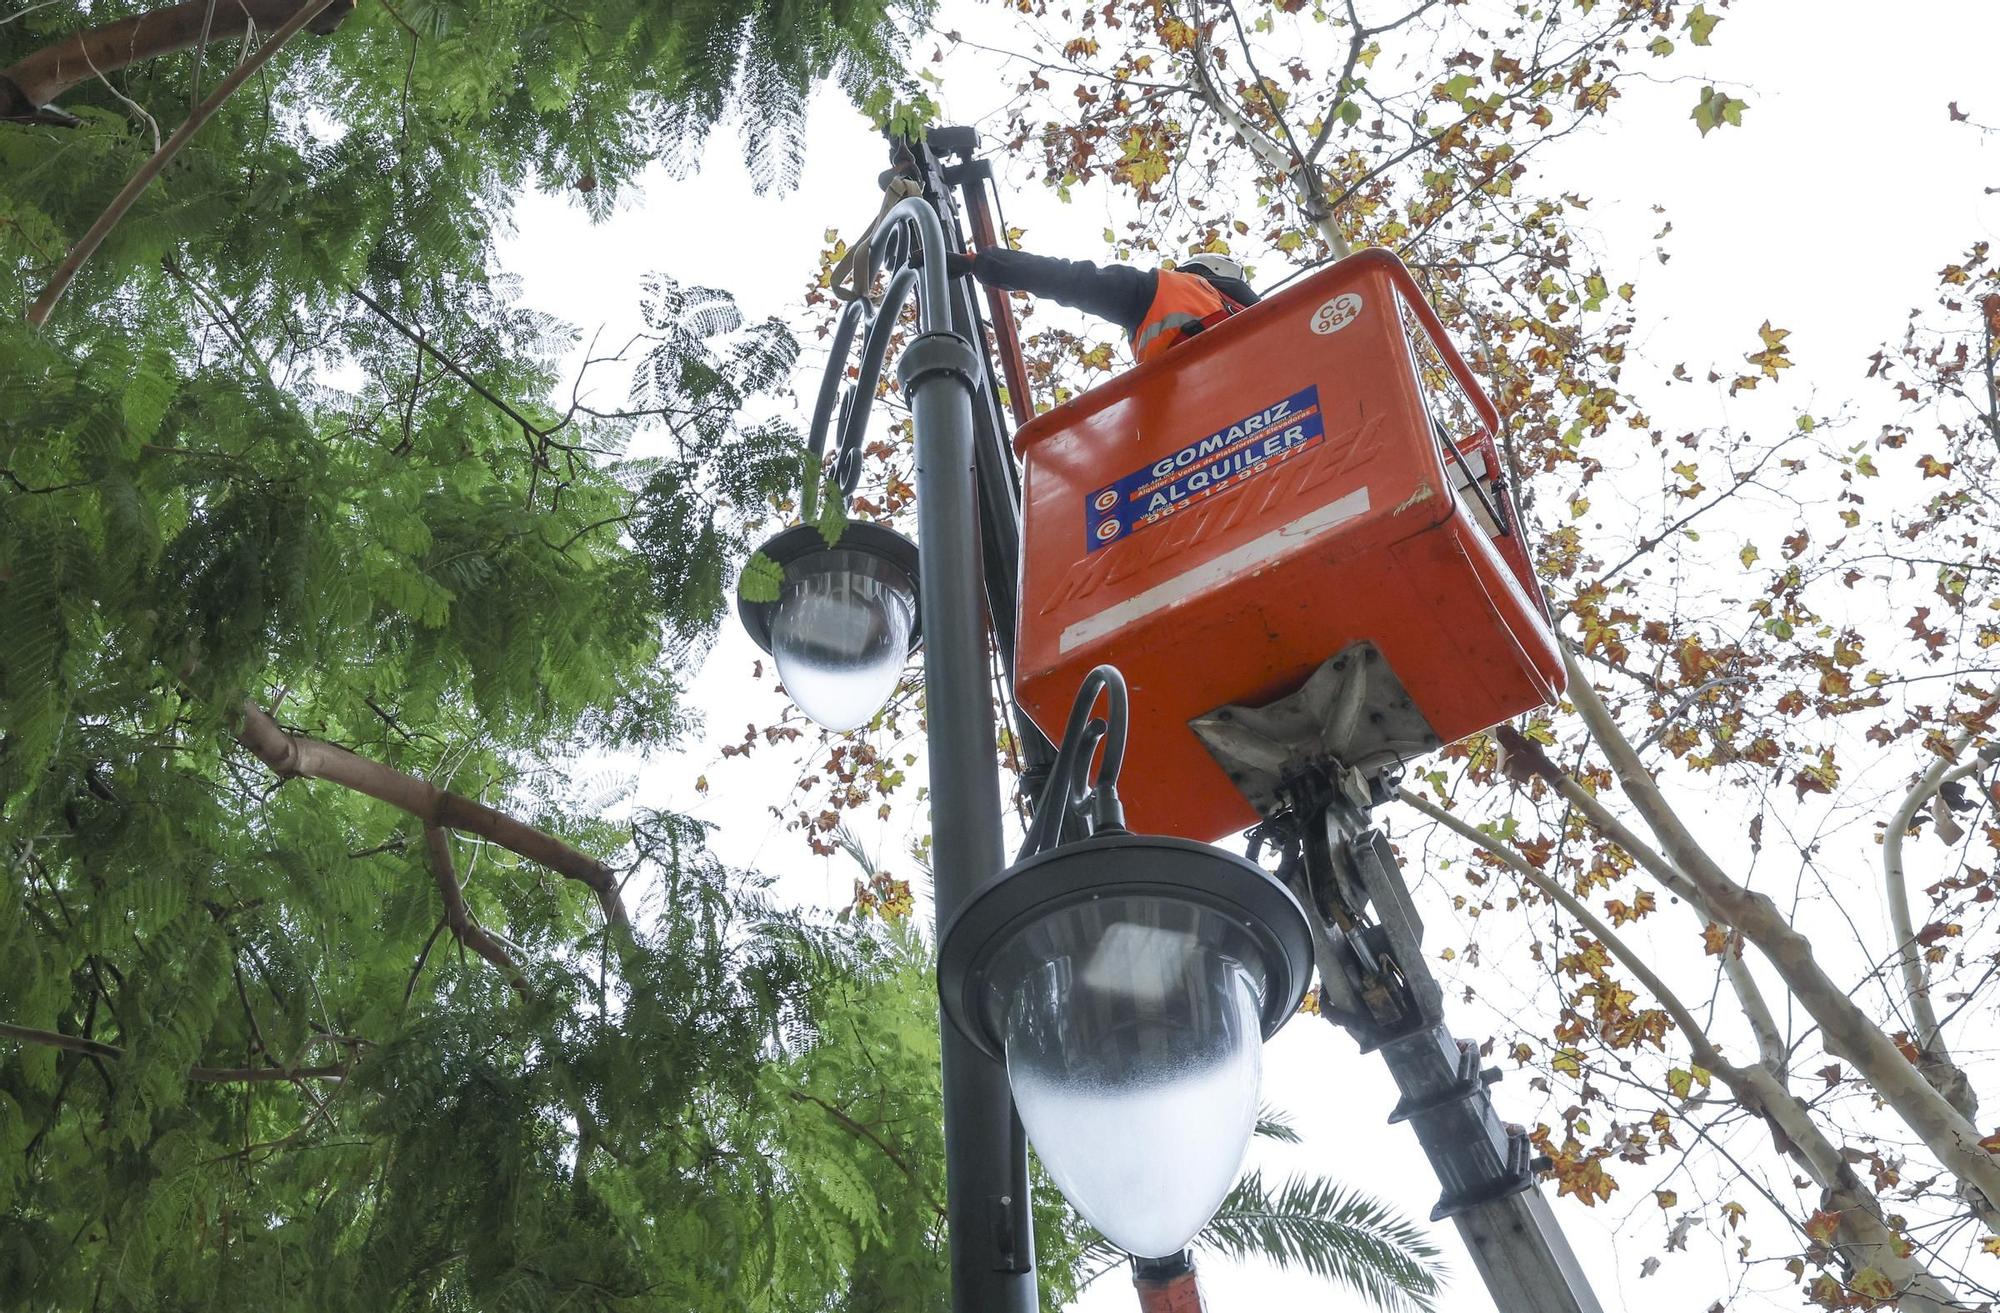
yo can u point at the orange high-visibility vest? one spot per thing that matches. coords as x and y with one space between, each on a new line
1182 301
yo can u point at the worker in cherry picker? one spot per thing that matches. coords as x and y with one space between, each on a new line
1155 308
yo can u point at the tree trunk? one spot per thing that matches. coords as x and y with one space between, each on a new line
33 82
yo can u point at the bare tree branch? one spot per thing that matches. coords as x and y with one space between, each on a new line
294 756
459 917
209 1075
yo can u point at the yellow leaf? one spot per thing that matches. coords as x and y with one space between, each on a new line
1667 1198
1872 1282
1700 23
1748 555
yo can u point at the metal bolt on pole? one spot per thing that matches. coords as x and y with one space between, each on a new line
991 1226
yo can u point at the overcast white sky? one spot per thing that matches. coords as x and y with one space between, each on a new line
1828 213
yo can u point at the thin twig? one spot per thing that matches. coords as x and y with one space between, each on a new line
452 367
42 4
201 54
124 99
855 1128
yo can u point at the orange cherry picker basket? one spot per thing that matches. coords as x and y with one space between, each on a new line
1292 535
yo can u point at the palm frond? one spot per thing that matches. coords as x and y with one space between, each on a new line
1334 1232
1272 1124
1314 1225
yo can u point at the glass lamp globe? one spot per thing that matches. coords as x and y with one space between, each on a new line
1131 1035
1128 983
844 620
841 633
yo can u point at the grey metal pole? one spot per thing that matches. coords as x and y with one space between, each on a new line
992 1231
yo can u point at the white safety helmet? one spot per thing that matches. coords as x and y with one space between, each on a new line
1215 266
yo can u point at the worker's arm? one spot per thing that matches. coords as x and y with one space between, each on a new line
1117 292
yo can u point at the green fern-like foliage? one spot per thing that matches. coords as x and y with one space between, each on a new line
290 439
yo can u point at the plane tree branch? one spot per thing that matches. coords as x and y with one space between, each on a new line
1862 1232
1848 1031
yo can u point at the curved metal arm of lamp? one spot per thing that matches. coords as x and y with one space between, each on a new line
1071 789
854 419
910 226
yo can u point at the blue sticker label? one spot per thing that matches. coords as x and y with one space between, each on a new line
1253 445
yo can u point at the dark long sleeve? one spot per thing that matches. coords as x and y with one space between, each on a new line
1116 292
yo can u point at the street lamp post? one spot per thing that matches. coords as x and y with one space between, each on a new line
1119 986
986 1163
1127 982
839 621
